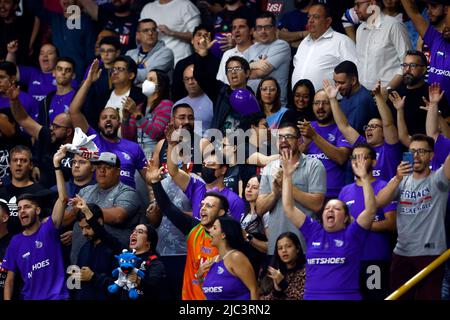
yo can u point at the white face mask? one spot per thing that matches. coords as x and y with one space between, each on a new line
148 88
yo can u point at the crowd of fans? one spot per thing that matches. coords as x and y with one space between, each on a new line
241 150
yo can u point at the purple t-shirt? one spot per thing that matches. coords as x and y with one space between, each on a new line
60 104
388 159
335 172
378 245
333 261
39 83
441 151
131 156
439 70
220 284
30 105
38 259
196 191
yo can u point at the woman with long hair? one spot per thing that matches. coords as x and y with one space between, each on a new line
147 126
268 96
302 98
231 271
285 276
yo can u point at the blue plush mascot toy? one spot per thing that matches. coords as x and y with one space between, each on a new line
127 264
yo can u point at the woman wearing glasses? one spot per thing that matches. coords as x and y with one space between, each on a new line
268 96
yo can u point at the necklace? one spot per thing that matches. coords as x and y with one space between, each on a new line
226 254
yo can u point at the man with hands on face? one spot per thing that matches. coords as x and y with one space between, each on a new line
96 257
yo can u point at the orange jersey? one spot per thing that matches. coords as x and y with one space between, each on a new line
199 249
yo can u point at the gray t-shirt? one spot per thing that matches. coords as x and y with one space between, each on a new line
310 176
420 215
278 54
120 195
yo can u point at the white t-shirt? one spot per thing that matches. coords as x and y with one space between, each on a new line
177 15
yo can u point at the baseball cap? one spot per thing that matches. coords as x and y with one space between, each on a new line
109 158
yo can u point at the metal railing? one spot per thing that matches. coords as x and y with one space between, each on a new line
418 277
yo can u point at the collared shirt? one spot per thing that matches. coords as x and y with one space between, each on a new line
316 59
381 49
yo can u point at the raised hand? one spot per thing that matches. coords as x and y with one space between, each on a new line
205 44
397 101
128 107
13 46
330 90
152 172
226 42
403 169
94 71
435 94
80 204
59 155
13 92
172 135
377 90
289 165
359 166
306 129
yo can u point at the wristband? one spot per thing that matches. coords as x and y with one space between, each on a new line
57 168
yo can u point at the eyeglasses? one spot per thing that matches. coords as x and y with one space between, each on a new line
187 79
208 205
57 126
265 27
358 4
371 127
420 152
151 30
411 65
287 137
269 89
139 231
319 102
118 69
234 69
107 50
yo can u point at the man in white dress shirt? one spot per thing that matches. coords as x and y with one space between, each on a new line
322 50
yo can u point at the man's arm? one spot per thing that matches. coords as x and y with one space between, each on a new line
91 8
350 134
266 201
20 115
413 13
9 286
337 154
389 130
447 167
399 105
432 121
310 200
389 192
61 202
7 129
389 223
114 215
180 177
78 119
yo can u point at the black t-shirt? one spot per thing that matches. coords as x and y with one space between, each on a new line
232 177
44 150
10 193
6 144
414 116
125 26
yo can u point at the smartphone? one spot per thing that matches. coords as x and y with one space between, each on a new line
408 157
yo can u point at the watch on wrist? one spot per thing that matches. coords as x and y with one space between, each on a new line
249 237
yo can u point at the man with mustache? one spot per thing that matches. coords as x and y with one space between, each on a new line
439 44
413 88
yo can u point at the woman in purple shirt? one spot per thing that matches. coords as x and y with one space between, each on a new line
230 275
333 248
